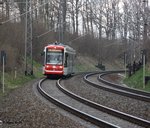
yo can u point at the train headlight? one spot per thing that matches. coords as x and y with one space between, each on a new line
47 66
54 67
60 67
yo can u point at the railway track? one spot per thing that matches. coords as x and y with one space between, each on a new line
73 110
135 91
115 88
131 121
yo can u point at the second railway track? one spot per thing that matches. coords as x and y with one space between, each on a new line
97 113
116 88
101 78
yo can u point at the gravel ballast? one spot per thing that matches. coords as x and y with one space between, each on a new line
25 108
22 108
121 103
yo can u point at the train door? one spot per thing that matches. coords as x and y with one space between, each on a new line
66 63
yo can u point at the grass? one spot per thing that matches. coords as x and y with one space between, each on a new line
85 64
12 82
85 68
136 80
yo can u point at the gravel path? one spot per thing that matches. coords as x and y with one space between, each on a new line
22 109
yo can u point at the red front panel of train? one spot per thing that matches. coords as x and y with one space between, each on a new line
54 60
53 69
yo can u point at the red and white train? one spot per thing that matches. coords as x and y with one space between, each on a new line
58 60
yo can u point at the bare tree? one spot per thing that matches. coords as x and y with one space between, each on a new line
22 8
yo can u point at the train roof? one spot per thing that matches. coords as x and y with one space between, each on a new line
60 46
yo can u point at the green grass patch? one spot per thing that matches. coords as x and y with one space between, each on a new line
136 80
17 79
11 83
84 68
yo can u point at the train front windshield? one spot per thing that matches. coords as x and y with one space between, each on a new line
54 57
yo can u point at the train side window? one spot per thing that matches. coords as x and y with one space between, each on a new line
66 60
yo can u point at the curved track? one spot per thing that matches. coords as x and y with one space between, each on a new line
115 88
98 107
111 111
139 92
75 111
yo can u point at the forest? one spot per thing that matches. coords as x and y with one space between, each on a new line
104 29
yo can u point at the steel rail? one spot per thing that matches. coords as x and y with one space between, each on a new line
116 90
121 87
74 111
125 116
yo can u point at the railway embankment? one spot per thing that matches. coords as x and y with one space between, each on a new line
136 80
